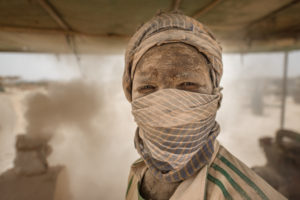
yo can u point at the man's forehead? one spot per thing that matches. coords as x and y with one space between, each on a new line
169 49
160 71
152 76
174 55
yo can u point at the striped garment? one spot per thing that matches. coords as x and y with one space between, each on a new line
225 177
176 131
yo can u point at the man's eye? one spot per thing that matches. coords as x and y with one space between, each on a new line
146 88
188 86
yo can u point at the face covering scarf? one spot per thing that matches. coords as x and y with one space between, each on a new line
176 131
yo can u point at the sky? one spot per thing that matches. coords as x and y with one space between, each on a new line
39 66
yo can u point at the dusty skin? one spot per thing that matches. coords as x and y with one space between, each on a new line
174 65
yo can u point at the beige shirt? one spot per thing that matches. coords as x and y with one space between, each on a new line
225 177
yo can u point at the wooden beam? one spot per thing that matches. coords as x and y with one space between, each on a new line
47 31
34 30
175 5
273 13
205 9
49 8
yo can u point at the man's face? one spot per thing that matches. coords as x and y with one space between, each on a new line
174 65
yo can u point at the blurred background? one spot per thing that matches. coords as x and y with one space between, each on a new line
61 65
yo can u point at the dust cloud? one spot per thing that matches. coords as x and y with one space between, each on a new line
74 104
79 118
90 128
86 121
7 125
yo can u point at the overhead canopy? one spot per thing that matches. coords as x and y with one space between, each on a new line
104 26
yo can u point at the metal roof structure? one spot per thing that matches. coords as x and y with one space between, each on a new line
104 26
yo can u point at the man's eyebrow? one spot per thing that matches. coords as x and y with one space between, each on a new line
145 79
144 73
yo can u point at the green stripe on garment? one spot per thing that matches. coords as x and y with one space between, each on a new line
234 184
244 177
221 186
129 185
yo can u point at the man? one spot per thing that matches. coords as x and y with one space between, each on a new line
172 76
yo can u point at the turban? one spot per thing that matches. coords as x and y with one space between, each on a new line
170 28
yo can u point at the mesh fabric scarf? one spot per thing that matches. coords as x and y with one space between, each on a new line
176 131
176 128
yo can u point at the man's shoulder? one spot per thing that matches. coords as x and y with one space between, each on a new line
136 174
138 166
138 169
234 178
138 162
227 160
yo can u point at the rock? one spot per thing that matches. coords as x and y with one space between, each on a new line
26 142
30 163
31 155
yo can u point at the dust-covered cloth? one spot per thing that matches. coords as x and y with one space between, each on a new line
177 143
176 131
225 177
178 149
171 28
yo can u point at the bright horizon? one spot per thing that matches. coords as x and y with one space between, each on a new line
41 66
